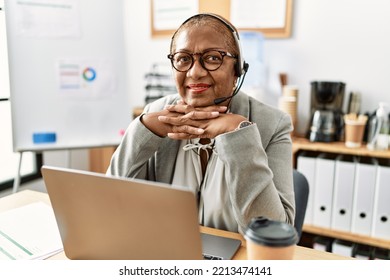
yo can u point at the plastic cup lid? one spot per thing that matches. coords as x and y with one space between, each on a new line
271 233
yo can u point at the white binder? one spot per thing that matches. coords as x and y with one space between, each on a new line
381 215
343 248
306 165
343 193
323 195
363 200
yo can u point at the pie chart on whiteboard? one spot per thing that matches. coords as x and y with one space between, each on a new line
89 74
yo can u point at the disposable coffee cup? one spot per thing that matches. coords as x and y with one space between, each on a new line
354 131
270 240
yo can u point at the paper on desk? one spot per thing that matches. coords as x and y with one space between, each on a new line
29 232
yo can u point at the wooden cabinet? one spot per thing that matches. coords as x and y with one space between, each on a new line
99 159
302 144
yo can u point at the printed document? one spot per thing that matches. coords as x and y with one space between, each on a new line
29 232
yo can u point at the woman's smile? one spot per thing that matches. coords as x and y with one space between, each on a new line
198 88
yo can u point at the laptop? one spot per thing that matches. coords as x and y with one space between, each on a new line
104 217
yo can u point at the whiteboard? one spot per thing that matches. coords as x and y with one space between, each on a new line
67 73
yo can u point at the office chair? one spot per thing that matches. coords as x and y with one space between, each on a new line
301 190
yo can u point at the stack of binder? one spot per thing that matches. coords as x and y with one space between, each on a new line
347 193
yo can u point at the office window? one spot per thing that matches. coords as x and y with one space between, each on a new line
8 159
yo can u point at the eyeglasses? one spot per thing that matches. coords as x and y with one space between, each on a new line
210 60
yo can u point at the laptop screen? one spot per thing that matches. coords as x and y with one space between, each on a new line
102 217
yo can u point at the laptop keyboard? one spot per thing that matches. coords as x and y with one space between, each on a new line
211 257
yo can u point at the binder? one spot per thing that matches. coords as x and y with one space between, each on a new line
362 252
306 165
381 254
323 195
363 200
381 215
322 243
343 248
343 193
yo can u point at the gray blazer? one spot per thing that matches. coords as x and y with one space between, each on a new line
258 159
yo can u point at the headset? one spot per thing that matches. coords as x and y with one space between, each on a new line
240 67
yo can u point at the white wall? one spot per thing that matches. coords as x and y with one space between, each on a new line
343 40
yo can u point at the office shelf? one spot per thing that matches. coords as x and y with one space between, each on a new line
301 144
356 238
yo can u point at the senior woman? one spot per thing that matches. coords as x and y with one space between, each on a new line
231 150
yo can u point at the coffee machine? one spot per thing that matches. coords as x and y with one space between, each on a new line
326 122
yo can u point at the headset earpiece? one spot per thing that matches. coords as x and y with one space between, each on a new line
239 66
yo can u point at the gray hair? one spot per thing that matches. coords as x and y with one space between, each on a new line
211 21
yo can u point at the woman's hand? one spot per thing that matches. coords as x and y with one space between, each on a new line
178 118
187 122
